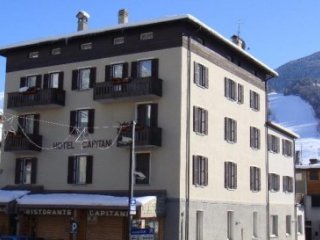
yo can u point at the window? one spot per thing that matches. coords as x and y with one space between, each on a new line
33 81
199 225
83 78
33 54
254 100
29 124
286 148
53 80
86 46
274 182
240 93
118 41
315 201
81 119
117 71
254 138
313 174
288 225
145 68
255 224
200 170
146 36
230 130
56 51
142 166
287 184
200 120
80 169
201 75
230 89
147 115
300 224
230 224
230 175
273 225
25 171
273 143
255 179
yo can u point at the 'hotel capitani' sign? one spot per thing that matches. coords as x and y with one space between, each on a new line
100 143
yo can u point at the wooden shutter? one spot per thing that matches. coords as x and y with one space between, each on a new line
195 169
155 68
92 77
21 123
36 124
226 174
235 130
73 116
91 120
206 170
74 84
33 170
134 68
240 93
226 129
259 178
195 119
71 169
18 179
251 137
206 122
206 77
258 139
235 176
226 87
251 99
89 170
125 70
251 178
283 147
196 74
38 81
23 82
108 73
270 181
258 101
154 115
46 81
142 114
61 79
143 166
269 142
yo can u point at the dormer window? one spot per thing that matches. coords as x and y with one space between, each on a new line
118 41
86 46
56 51
146 36
33 54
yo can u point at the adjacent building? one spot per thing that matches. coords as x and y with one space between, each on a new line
200 153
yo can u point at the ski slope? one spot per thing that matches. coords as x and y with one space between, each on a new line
297 115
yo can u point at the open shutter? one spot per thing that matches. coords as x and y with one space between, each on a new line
251 178
226 129
226 87
206 122
259 178
74 84
258 138
18 179
134 68
21 124
206 77
73 116
195 169
155 68
251 137
46 81
36 124
154 115
71 169
89 169
226 175
61 78
235 130
283 147
92 77
91 120
125 70
23 82
269 142
33 170
251 99
196 122
235 176
206 172
108 73
38 81
196 73
258 102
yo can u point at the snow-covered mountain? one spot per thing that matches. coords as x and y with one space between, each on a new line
297 115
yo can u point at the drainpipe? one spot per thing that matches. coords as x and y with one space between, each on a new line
267 165
294 181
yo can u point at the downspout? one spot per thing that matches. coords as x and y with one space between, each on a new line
187 204
294 181
267 165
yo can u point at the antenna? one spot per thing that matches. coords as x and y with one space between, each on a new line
239 22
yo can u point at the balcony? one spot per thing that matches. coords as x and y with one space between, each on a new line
19 142
128 89
144 137
41 97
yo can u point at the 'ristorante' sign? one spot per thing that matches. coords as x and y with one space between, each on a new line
45 212
101 143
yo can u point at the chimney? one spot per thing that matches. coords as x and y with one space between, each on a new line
123 16
83 18
238 41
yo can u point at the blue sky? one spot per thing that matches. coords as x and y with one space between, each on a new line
276 31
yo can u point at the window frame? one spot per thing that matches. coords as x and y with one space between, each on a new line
77 79
288 225
230 130
147 173
33 55
255 233
230 175
255 138
255 179
287 148
21 171
274 182
75 116
200 171
273 143
86 46
25 120
230 89
254 100
274 231
201 75
287 184
200 120
230 225
74 171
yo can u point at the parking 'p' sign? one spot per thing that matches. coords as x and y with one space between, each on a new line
74 226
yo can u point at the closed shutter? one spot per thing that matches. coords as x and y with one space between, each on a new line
154 115
108 73
61 79
91 120
45 81
33 170
226 87
18 179
225 128
155 68
74 84
258 139
89 170
258 102
269 142
235 130
195 169
283 147
134 68
23 82
71 170
92 77
36 124
251 137
251 99
73 116
240 93
207 122
196 76
259 178
277 145
251 178
235 176
206 170
195 119
206 77
142 117
125 70
226 174
38 81
270 181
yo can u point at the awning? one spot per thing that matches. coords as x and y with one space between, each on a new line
146 205
7 196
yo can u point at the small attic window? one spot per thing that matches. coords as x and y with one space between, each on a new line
86 46
33 55
146 36
55 51
118 40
